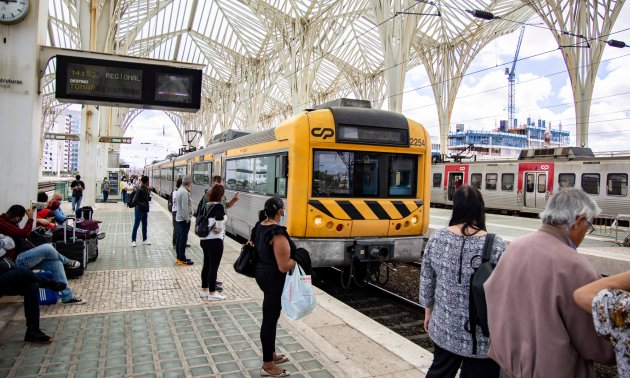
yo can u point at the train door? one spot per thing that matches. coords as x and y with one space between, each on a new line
455 180
455 175
535 193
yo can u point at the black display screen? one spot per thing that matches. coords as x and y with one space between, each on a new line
128 84
174 88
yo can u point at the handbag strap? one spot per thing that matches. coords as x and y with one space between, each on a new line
487 247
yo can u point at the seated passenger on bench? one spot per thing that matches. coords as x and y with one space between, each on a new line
21 281
43 257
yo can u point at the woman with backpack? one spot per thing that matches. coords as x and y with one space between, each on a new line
450 259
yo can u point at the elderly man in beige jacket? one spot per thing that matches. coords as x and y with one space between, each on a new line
536 329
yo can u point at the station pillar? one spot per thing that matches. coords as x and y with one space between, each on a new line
88 154
21 106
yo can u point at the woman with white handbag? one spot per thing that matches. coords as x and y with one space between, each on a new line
274 260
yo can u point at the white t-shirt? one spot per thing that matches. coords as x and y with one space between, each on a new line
174 199
220 225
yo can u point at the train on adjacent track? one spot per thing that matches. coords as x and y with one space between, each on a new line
524 185
355 182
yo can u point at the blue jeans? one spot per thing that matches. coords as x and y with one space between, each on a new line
105 196
140 216
46 257
76 203
182 238
124 196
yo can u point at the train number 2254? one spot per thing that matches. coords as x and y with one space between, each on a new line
417 142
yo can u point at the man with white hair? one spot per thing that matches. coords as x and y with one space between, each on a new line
536 329
183 217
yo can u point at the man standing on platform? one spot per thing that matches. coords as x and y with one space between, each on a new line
105 189
77 187
183 216
141 211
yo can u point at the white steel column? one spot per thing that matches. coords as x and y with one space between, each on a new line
21 106
446 66
581 29
396 36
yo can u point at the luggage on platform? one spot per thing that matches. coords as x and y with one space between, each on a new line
74 249
86 212
91 247
47 296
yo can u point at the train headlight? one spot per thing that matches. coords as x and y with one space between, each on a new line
318 221
414 219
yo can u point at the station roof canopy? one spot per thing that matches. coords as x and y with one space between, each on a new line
235 39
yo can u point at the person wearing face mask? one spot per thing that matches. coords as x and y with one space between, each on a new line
274 247
536 329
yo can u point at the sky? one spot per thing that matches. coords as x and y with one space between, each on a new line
542 91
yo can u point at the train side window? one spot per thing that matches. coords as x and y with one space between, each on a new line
590 183
507 182
437 180
282 170
491 181
475 180
201 173
542 183
566 180
230 174
264 175
617 184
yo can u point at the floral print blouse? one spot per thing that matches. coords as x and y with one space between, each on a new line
611 316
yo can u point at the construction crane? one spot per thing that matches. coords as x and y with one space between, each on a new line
511 79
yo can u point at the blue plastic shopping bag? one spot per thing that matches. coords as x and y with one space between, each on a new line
298 296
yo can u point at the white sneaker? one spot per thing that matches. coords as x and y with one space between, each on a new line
146 242
215 297
133 244
203 294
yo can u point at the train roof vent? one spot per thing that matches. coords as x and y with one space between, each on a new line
558 152
347 103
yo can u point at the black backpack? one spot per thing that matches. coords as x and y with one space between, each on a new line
201 222
131 201
477 307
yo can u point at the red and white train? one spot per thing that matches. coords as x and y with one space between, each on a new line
525 185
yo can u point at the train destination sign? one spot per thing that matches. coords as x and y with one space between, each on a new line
124 140
115 83
58 136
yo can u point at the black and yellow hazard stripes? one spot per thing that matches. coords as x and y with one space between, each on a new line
354 209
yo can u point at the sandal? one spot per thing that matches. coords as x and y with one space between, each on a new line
280 359
265 373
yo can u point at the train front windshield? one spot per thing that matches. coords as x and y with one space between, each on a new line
363 174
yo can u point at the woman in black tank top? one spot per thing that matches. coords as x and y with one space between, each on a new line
274 260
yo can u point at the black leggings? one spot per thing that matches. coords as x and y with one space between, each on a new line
212 254
271 283
22 281
446 364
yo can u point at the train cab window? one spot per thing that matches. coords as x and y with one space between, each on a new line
590 183
402 176
542 183
437 180
491 181
363 174
507 182
566 180
617 184
475 180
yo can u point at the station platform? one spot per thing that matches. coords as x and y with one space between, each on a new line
144 318
599 248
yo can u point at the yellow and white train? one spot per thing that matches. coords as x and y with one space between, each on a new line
355 181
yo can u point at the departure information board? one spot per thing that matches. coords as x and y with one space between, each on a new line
115 83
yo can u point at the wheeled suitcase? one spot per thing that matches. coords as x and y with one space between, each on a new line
85 212
91 246
74 249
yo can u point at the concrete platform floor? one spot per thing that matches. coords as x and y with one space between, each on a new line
144 318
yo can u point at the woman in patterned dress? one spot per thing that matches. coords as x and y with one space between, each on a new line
449 260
